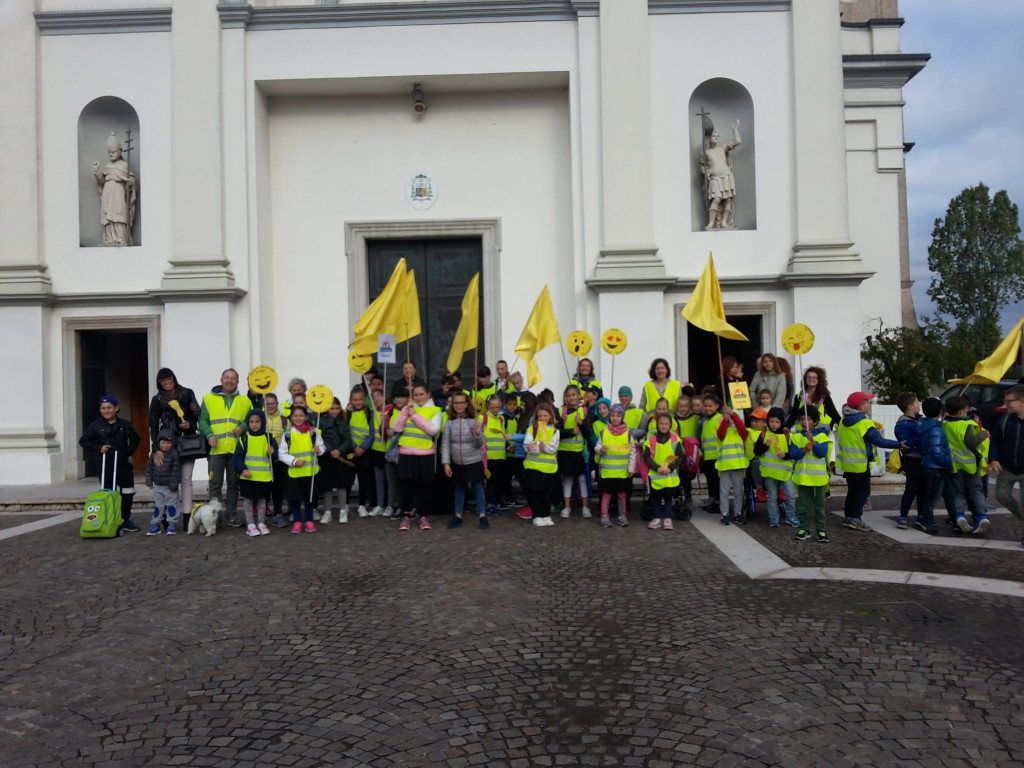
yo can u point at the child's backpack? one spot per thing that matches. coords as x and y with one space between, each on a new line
101 518
691 455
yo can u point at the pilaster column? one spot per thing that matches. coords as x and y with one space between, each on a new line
822 210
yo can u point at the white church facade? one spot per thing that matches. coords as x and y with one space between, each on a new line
283 156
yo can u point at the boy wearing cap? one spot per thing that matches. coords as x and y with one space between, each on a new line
963 484
115 436
858 438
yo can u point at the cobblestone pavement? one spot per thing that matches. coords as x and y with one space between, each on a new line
517 646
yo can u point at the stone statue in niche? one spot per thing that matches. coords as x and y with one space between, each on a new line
719 181
117 187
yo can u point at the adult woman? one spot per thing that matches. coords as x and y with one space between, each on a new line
769 377
661 385
815 394
175 408
783 365
732 373
584 374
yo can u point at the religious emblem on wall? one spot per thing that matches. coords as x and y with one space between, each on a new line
422 192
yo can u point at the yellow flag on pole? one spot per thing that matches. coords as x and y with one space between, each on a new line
468 334
541 331
705 309
994 367
411 320
379 315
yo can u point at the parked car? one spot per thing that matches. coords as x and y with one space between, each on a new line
987 398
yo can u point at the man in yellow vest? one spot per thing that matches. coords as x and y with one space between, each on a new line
857 438
222 420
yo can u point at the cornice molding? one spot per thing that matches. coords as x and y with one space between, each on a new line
884 70
659 7
104 22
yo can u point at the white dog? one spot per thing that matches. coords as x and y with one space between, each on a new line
204 518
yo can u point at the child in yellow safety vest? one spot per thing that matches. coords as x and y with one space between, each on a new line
301 444
663 454
731 464
809 448
254 456
964 482
617 464
494 446
777 468
573 429
709 447
687 425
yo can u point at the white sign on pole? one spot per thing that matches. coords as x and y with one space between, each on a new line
387 349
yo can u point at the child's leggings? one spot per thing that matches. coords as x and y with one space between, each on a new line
261 511
301 509
606 501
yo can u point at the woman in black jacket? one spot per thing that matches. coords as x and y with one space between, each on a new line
175 408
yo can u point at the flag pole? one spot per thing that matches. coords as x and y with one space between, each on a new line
565 363
312 478
969 380
721 374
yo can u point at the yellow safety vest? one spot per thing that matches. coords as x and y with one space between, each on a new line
599 427
810 470
359 426
964 459
223 420
542 462
511 427
663 453
652 396
413 436
301 445
732 454
573 444
688 426
771 465
632 417
709 445
615 463
494 436
983 456
378 434
751 441
853 451
257 458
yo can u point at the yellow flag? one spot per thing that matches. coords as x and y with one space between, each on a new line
379 315
994 367
468 334
410 325
705 309
541 331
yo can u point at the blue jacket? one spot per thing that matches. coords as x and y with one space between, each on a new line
934 445
1007 443
907 432
872 437
820 449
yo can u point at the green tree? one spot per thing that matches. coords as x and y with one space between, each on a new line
902 360
976 258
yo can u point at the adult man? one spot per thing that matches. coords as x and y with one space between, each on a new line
222 420
719 182
501 382
1006 451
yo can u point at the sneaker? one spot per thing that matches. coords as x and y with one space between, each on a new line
376 512
252 530
773 525
279 521
129 525
605 521
502 504
154 530
867 505
455 522
856 525
724 520
484 523
172 529
264 531
405 524
326 517
296 527
525 514
802 535
388 512
586 513
793 523
981 526
739 520
424 523
565 513
901 523
655 524
711 506
539 522
621 520
309 527
548 521
933 531
492 509
343 516
822 537
234 522
363 511
668 524
962 523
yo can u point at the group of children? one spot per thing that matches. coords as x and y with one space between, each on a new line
416 454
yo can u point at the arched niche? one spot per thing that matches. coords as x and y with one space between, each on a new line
98 120
723 101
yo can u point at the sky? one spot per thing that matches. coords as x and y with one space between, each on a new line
964 112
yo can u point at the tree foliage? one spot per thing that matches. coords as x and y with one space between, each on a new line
902 360
977 263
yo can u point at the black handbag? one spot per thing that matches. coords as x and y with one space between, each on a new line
192 446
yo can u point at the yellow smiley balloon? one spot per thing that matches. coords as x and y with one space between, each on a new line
797 339
262 379
319 398
579 343
614 341
359 363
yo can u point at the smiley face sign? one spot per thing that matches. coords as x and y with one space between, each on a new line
359 363
262 379
579 343
319 398
797 339
614 341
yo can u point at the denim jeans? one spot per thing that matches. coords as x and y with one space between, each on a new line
771 486
934 481
478 494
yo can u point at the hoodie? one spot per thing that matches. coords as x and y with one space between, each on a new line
872 438
907 432
168 475
243 442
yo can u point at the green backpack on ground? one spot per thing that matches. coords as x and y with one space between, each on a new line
101 517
